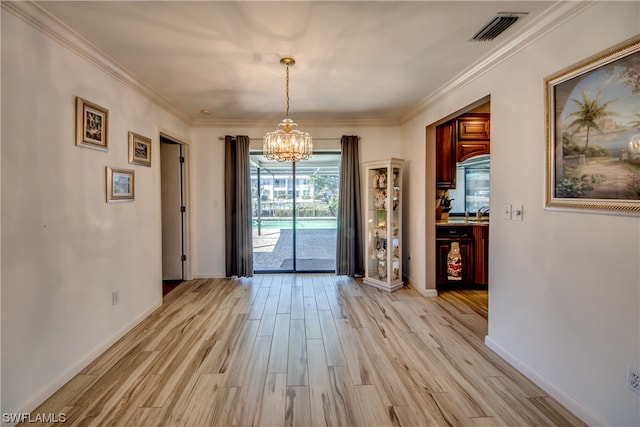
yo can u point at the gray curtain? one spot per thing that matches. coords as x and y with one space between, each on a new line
237 207
350 250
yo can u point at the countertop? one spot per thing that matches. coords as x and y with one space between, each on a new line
460 221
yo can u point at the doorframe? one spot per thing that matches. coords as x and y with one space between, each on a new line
186 195
294 269
430 193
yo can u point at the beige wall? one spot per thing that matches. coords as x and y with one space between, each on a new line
208 179
64 249
564 287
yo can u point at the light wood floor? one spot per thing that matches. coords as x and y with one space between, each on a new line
306 350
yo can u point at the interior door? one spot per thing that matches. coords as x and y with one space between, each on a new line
172 210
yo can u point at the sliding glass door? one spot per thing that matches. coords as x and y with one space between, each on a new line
294 213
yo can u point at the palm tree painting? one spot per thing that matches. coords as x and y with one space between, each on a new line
591 111
595 111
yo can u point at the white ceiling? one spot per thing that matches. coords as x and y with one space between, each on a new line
362 61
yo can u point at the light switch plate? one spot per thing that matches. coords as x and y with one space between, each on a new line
506 211
516 212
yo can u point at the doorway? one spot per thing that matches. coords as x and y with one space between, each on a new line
173 211
294 213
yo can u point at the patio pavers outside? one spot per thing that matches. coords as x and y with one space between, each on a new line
273 250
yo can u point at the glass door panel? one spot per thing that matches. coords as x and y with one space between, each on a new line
294 213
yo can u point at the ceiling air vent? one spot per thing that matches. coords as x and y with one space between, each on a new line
496 26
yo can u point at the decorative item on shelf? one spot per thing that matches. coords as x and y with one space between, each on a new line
396 197
380 179
381 254
444 207
382 270
380 201
288 145
454 262
396 273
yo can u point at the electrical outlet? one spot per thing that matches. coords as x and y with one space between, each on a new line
115 297
633 380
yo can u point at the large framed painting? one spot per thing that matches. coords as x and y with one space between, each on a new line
593 133
92 123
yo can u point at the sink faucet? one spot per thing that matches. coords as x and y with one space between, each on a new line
483 210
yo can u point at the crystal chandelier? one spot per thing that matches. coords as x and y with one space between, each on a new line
287 144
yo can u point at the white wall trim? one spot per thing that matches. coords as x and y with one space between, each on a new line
567 401
424 292
46 392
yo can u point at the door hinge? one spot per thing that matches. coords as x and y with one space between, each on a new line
181 159
183 209
183 257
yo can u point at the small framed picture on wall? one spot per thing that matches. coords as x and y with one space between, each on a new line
139 149
120 185
92 123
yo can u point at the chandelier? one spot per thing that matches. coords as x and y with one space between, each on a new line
287 144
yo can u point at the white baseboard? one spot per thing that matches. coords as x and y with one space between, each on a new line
54 386
567 401
424 292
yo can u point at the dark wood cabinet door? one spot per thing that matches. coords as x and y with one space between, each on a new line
467 149
481 254
445 156
466 251
473 127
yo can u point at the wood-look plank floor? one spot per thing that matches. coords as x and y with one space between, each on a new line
305 350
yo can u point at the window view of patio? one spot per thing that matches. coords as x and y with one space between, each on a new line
294 209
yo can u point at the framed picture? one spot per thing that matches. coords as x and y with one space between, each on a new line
120 184
92 123
139 149
593 133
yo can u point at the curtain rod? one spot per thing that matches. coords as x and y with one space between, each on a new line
221 138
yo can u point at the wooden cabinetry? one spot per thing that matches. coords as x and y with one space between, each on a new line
481 255
474 249
467 149
383 204
443 246
473 127
445 156
458 140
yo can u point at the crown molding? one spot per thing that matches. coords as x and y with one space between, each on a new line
43 21
49 25
325 123
548 20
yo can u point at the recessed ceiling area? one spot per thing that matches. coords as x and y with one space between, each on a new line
368 61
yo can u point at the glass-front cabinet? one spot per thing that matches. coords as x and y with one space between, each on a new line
383 204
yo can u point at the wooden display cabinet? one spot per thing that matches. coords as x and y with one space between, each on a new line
383 205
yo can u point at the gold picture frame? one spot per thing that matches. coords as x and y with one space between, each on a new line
92 125
120 184
593 133
139 149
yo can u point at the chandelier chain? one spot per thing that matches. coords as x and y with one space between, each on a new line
287 114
